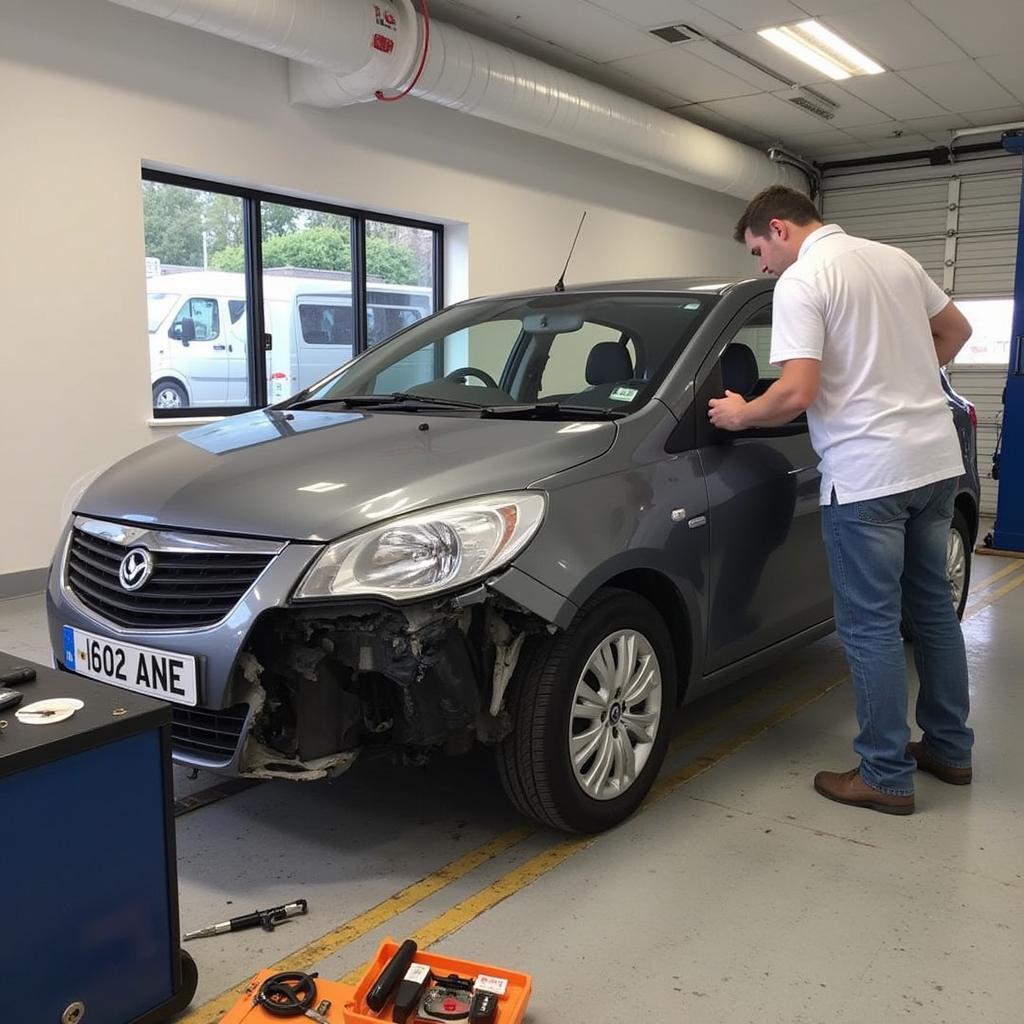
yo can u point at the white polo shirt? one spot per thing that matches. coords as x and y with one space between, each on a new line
880 423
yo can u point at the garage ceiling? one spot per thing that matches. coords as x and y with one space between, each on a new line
949 64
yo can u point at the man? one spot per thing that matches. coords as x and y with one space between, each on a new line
860 331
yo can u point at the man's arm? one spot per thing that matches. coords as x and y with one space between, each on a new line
789 396
950 331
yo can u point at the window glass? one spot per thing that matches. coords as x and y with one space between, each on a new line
197 320
200 282
399 278
598 351
991 321
194 264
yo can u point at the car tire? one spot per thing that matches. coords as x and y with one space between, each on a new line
553 703
958 565
169 394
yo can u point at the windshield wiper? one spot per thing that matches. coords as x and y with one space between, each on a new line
550 411
396 398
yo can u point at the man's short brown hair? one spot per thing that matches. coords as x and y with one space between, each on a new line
775 203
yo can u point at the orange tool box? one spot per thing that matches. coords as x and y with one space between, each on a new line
348 1003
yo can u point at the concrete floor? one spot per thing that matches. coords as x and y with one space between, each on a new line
736 895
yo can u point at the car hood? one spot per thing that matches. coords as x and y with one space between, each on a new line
317 475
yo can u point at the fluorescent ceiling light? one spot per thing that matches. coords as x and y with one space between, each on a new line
812 43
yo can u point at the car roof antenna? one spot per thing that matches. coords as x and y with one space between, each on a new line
560 287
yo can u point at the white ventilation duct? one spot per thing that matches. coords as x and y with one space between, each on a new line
343 51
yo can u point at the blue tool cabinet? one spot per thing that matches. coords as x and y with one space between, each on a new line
89 897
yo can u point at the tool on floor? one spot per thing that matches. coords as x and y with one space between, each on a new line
21 674
290 994
268 920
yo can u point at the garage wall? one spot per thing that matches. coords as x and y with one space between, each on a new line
911 207
91 91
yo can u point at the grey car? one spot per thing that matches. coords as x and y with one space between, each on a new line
511 523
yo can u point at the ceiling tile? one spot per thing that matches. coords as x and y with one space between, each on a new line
981 27
937 129
746 15
999 115
829 153
656 13
699 114
734 65
575 25
852 110
824 8
894 132
679 71
895 35
892 95
1008 71
768 114
959 86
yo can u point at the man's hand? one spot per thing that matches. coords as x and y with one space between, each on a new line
729 413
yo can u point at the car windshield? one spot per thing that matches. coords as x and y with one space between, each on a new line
597 352
158 306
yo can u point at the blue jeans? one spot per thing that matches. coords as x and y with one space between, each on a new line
886 556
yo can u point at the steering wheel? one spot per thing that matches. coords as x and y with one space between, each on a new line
472 371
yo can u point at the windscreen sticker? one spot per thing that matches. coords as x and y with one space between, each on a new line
624 394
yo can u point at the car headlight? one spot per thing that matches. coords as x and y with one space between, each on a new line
427 552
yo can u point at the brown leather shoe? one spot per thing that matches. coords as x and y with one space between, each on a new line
947 772
850 788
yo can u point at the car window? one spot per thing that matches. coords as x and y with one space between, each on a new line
325 323
756 334
604 351
384 321
205 318
236 309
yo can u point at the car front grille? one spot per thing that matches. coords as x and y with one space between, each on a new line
212 735
187 590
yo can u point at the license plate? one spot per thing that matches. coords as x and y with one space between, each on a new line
162 674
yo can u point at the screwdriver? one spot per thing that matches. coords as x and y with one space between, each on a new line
266 919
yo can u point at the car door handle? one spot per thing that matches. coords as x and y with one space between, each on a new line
219 348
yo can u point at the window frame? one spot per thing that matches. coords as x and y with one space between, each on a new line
252 198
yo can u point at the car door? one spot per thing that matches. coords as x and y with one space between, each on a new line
200 353
768 577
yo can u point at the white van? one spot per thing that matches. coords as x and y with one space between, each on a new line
198 332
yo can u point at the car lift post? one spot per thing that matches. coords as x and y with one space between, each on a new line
1009 529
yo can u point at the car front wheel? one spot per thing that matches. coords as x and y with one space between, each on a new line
958 562
591 713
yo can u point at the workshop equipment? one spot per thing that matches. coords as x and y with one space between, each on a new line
90 895
1009 528
271 996
268 920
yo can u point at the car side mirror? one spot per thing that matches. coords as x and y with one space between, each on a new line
184 330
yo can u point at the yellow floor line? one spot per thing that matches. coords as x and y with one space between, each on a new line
369 921
472 907
989 581
994 596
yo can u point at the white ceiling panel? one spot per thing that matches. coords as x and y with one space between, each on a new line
825 8
894 132
768 114
852 110
734 65
853 150
679 71
895 35
937 129
761 14
699 114
999 115
814 141
982 28
656 13
1008 71
614 78
959 86
892 95
574 24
